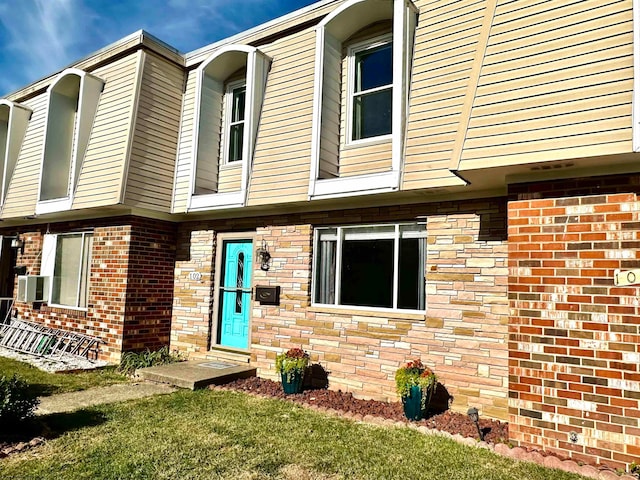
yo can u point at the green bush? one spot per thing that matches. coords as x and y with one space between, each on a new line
131 361
17 401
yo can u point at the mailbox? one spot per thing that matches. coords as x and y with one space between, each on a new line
268 295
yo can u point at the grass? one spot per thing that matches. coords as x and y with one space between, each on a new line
45 383
220 435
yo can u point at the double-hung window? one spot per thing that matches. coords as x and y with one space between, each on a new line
371 89
236 94
379 266
71 268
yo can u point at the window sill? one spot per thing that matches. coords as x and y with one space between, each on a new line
367 142
53 206
365 184
231 165
213 201
409 315
75 311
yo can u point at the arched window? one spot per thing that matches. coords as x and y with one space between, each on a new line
366 104
229 94
72 104
14 119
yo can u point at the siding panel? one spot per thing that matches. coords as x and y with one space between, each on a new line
155 141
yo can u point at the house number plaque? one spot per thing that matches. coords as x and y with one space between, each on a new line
195 276
622 278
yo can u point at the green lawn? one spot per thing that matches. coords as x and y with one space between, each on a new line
228 435
44 383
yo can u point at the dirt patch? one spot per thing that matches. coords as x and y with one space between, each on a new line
448 421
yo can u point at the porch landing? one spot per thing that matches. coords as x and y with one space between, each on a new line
197 373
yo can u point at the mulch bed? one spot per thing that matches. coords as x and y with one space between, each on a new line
448 421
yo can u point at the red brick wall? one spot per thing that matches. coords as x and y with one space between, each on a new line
152 254
131 283
574 336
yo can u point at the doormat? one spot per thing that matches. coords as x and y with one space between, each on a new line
216 365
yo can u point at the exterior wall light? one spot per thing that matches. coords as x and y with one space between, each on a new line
264 256
18 244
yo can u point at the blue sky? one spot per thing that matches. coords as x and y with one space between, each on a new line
39 37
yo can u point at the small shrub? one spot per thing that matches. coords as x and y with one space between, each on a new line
131 361
17 401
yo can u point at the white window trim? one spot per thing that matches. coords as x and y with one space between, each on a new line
352 51
228 123
257 67
47 267
340 238
17 123
83 125
402 34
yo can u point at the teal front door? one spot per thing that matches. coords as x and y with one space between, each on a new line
235 293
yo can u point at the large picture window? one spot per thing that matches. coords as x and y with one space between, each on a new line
71 270
380 266
372 90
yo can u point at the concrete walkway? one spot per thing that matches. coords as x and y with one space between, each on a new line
68 402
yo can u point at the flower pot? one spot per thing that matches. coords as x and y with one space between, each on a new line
412 404
292 382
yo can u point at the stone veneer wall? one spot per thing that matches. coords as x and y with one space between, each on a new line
131 283
574 343
463 334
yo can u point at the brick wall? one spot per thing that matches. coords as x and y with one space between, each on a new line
574 336
131 283
463 334
149 298
193 289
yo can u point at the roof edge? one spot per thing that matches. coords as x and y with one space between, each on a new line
137 39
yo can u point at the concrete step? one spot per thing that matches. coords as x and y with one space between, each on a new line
197 373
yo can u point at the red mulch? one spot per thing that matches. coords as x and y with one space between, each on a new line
448 421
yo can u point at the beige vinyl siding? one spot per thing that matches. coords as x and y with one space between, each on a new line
230 178
153 154
284 134
445 49
102 169
329 158
185 146
23 189
364 159
556 83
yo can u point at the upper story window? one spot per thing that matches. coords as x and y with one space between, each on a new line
14 119
67 259
234 125
72 104
372 40
229 93
371 96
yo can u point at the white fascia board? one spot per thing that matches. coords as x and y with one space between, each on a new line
216 201
53 206
316 121
356 185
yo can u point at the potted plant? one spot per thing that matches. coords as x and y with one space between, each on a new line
415 383
291 366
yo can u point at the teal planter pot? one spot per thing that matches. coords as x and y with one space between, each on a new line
292 383
412 404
